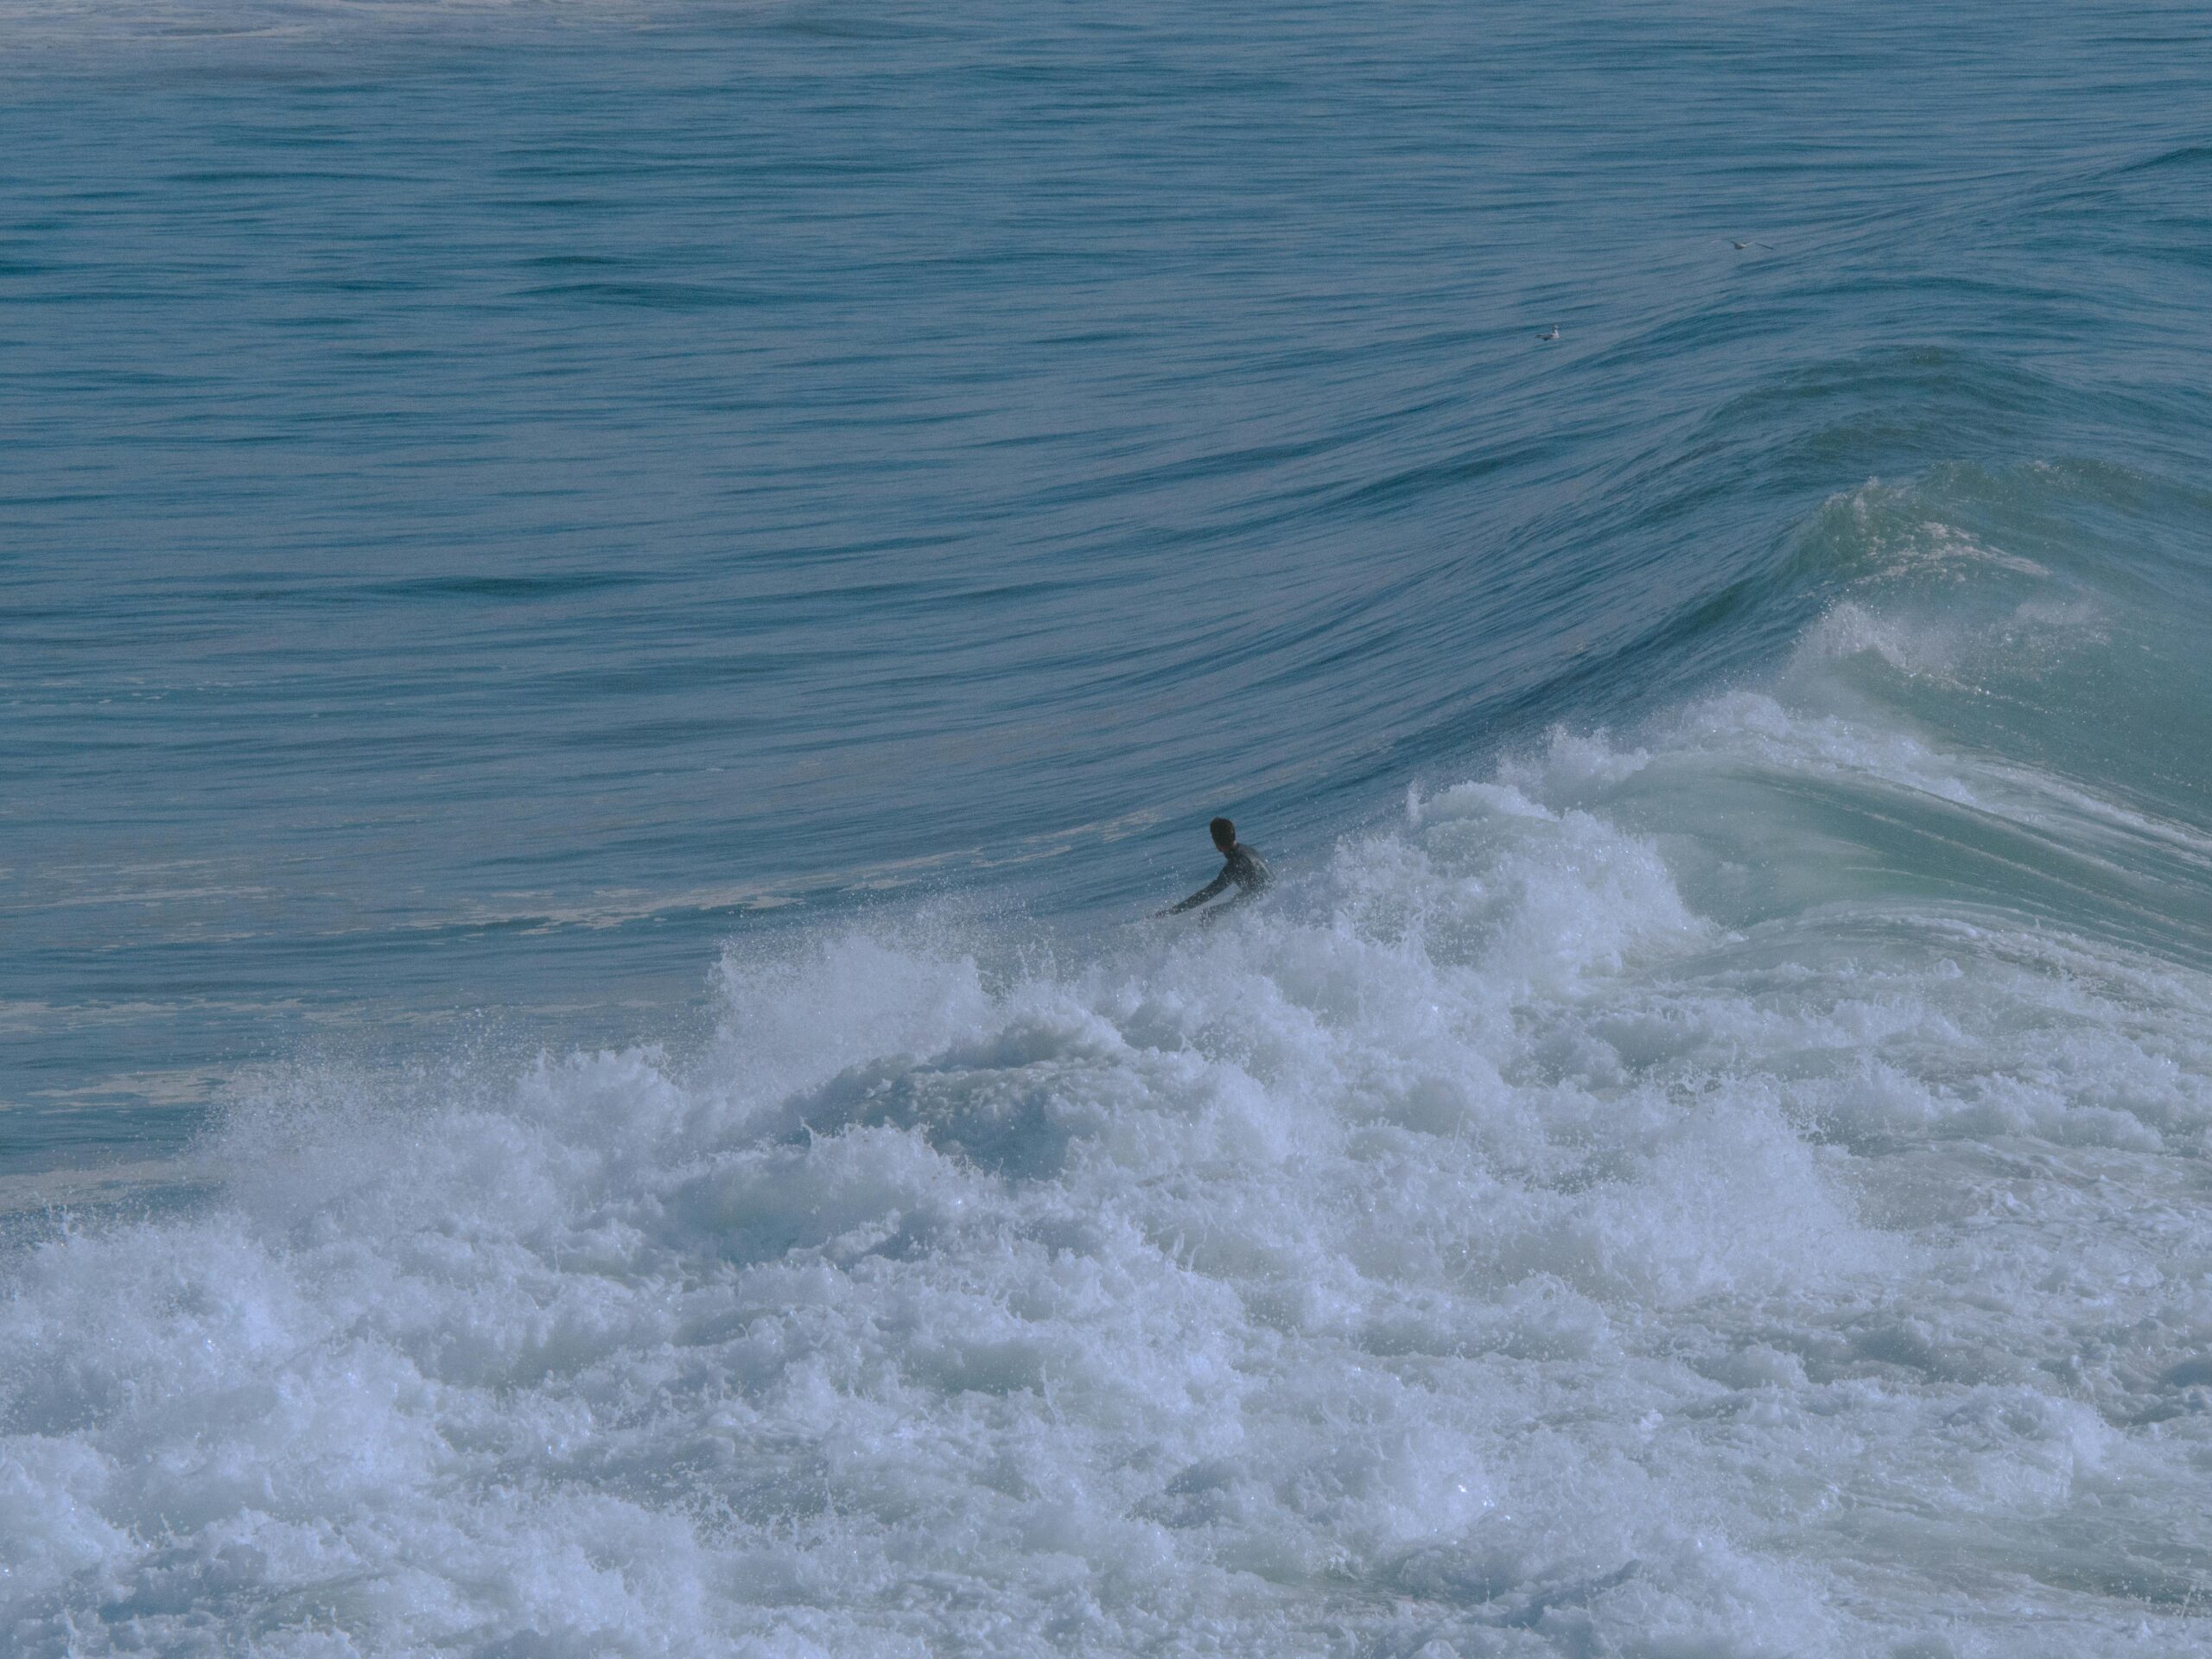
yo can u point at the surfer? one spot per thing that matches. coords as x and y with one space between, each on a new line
1246 870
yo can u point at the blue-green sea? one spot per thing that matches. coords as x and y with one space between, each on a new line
614 617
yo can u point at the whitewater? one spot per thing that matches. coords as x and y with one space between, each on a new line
1599 1210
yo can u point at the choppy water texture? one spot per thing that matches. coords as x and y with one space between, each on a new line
611 616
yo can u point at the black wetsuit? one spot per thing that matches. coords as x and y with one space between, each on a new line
1245 869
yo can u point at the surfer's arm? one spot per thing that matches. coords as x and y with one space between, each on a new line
1201 895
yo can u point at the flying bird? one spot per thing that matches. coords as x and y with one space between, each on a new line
1740 246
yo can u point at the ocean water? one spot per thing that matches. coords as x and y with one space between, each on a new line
613 617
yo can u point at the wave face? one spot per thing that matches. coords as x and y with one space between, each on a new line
1735 1187
610 615
499 500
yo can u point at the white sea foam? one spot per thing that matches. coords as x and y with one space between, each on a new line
1493 1250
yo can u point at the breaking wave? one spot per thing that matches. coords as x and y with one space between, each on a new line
1730 1187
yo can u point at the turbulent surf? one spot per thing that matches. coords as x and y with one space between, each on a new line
614 618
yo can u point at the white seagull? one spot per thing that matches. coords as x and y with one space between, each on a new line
1550 333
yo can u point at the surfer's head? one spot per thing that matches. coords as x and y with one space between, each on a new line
1224 833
